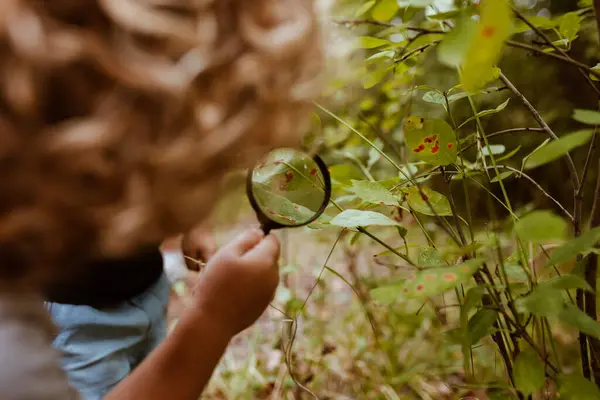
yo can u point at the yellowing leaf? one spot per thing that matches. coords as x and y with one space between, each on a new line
369 42
494 28
385 10
454 46
364 8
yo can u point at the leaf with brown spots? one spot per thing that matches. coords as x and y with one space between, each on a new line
435 281
430 140
427 283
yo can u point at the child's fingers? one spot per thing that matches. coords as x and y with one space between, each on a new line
244 242
266 251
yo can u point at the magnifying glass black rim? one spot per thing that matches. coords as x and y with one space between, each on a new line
267 223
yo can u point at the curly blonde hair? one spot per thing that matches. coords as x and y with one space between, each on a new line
117 117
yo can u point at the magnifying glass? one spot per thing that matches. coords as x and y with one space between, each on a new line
288 188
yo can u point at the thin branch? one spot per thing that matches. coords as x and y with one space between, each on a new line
536 115
537 185
415 51
567 60
357 22
506 132
591 272
553 46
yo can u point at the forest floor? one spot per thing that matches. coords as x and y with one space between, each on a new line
336 352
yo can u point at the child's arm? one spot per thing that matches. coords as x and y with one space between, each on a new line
237 286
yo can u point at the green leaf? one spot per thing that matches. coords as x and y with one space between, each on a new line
541 226
509 155
472 299
369 42
438 201
429 257
486 112
570 23
384 10
373 192
356 218
493 149
557 148
589 117
386 295
545 302
415 3
373 78
537 20
597 69
435 281
344 174
565 282
434 97
574 247
453 47
479 325
502 176
580 320
529 375
576 387
432 141
515 272
364 8
494 27
382 54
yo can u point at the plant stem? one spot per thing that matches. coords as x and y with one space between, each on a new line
556 48
536 115
591 271
567 60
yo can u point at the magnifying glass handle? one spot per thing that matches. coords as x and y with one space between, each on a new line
266 229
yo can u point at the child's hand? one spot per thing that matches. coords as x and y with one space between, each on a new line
198 245
239 281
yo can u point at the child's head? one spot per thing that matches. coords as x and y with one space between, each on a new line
119 117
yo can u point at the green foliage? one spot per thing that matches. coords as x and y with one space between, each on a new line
480 325
576 387
557 148
358 218
589 117
574 247
541 226
373 192
427 201
528 372
431 81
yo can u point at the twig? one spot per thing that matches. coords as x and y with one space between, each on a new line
591 271
536 115
553 46
356 22
537 185
567 60
506 132
415 51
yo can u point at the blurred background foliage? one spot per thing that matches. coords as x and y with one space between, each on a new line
341 326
